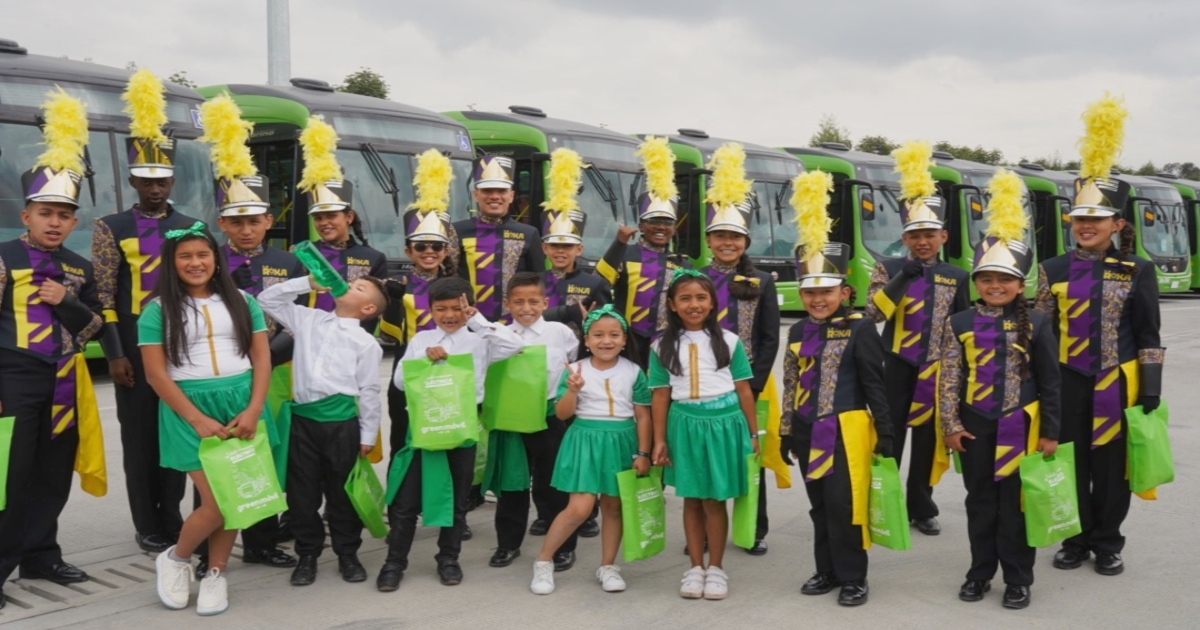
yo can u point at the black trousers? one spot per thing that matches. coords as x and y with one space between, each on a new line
406 506
320 457
837 542
39 468
640 350
154 492
764 525
900 379
398 414
995 522
512 508
1104 493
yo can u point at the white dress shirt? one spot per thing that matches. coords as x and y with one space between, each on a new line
333 355
561 347
484 341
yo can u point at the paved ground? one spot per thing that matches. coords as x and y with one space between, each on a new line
913 589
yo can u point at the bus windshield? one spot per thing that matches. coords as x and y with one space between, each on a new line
1168 237
597 203
772 219
379 129
372 201
881 235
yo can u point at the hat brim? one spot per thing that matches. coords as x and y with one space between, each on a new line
493 183
329 207
924 225
656 215
152 172
243 210
821 281
1092 211
74 203
558 239
727 227
1012 271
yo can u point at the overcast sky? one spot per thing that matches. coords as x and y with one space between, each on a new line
1011 74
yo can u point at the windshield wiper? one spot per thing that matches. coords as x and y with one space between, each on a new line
637 179
384 176
779 200
603 187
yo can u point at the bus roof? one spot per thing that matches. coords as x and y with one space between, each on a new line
853 157
537 119
708 144
1031 169
319 96
1174 180
44 67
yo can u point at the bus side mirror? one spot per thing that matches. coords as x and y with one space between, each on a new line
974 202
866 204
1148 211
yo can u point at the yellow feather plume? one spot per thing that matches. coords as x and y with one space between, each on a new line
566 174
318 141
146 106
810 198
1104 133
659 162
226 134
1005 215
913 161
729 183
432 181
65 133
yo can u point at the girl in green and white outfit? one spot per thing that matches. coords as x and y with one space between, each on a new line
609 397
204 344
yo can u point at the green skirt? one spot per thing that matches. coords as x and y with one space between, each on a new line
591 455
708 445
219 398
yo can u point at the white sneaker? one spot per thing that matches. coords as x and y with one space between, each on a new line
610 578
716 584
214 595
174 580
693 583
543 578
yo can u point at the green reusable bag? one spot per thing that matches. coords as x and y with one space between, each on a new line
243 480
481 456
643 514
887 510
6 433
1051 499
745 507
1150 463
366 495
441 402
514 393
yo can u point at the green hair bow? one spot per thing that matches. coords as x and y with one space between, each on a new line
606 310
197 229
681 273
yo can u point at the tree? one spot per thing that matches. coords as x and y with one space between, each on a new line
976 154
1186 170
181 78
131 65
366 82
1146 169
879 145
829 131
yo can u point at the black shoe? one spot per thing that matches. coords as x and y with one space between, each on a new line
275 558
152 543
589 529
467 533
563 560
285 531
819 584
973 590
759 548
475 500
853 593
450 573
3 600
928 526
504 557
351 569
1016 597
389 577
202 568
305 572
539 527
1070 557
64 573
1108 563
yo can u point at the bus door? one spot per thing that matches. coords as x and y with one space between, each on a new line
279 162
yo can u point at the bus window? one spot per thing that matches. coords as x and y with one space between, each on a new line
21 147
881 235
761 234
460 190
384 228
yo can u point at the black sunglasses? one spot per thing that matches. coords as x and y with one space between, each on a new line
420 247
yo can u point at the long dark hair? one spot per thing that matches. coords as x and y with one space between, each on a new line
1024 330
1127 244
668 345
745 290
175 306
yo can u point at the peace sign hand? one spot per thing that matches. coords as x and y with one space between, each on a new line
468 310
574 378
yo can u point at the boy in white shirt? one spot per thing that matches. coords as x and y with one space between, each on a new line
335 412
526 300
461 329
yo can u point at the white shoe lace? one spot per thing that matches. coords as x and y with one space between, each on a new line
543 571
183 576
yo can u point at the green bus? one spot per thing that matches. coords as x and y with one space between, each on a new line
772 219
611 184
378 140
1159 216
24 81
964 185
865 206
1190 191
1052 193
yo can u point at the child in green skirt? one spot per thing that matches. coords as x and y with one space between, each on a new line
204 344
608 395
704 416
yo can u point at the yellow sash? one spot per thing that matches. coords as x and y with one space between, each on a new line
89 457
858 437
770 446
